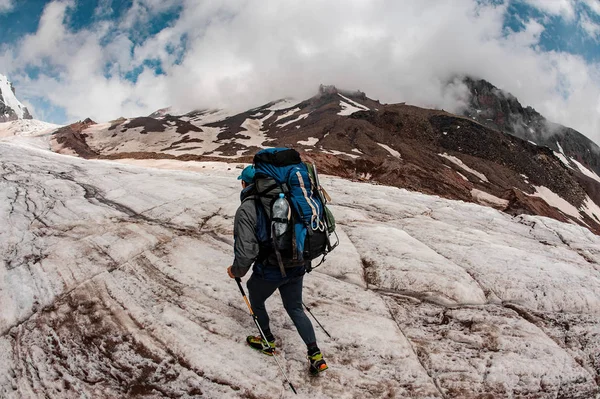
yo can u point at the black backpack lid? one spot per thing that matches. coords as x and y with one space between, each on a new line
278 157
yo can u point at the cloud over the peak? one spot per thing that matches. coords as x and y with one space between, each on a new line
242 54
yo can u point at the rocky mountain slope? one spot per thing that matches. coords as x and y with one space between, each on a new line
352 136
502 111
113 284
10 108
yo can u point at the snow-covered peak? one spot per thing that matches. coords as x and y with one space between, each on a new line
10 107
25 127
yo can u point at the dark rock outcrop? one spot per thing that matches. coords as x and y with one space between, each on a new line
73 138
502 111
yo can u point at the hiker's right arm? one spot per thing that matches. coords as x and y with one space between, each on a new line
245 245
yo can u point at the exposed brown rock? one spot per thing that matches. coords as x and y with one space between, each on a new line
71 137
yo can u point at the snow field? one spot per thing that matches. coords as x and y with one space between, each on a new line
114 283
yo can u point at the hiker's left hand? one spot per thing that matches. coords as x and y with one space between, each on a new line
229 272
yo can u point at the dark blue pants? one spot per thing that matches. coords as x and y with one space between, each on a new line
291 295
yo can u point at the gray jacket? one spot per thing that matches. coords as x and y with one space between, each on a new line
246 246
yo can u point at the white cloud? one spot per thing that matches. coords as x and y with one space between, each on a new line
51 38
6 6
142 10
566 8
103 9
591 28
242 54
593 5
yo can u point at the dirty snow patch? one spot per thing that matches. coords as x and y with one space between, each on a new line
310 141
350 107
487 198
254 130
586 171
354 103
284 104
209 116
287 114
563 159
299 118
460 174
391 150
556 201
460 163
591 208
347 109
335 152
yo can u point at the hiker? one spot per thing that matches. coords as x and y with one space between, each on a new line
267 276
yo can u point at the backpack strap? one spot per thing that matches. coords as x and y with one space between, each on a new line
277 253
262 232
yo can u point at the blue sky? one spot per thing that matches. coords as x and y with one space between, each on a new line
24 17
72 59
560 34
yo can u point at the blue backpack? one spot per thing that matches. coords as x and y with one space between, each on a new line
281 170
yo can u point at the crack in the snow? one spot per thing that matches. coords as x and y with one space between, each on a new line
64 294
115 265
412 347
369 269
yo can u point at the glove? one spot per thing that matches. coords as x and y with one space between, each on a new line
229 273
308 267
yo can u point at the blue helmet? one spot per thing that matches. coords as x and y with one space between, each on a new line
247 174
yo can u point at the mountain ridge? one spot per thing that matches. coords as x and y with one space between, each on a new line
10 107
500 110
355 137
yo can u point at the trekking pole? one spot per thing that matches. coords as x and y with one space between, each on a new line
320 325
262 334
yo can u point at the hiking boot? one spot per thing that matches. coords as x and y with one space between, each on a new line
256 342
317 363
